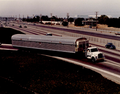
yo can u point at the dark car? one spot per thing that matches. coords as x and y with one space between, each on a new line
25 26
118 33
20 26
110 45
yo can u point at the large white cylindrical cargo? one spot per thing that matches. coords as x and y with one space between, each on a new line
53 43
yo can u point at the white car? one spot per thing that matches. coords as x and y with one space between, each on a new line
48 34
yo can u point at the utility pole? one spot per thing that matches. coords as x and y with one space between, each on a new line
96 20
68 18
40 18
19 17
51 18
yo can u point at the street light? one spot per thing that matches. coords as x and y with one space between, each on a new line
96 21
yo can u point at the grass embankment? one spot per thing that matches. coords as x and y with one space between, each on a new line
46 75
51 76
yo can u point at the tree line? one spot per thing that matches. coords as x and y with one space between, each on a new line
111 22
78 21
103 19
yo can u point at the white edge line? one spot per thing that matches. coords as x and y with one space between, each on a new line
112 63
87 66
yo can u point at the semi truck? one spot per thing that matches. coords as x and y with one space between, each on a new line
56 43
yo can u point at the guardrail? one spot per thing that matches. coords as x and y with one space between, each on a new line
103 30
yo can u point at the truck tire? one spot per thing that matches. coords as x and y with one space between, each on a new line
93 59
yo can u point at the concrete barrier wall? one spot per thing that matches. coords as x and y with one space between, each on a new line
92 39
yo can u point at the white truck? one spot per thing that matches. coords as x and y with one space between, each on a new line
56 43
93 54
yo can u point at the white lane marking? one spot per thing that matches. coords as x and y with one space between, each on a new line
8 49
6 45
85 65
109 50
111 63
111 55
45 30
114 56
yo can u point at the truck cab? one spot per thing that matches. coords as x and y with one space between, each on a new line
94 55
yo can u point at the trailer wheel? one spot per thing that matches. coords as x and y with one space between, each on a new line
93 60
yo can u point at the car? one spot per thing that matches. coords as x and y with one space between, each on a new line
110 45
118 33
25 26
20 26
48 34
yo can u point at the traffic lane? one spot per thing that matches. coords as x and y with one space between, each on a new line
115 50
100 65
81 58
7 47
113 57
34 30
83 32
104 64
83 61
107 72
26 30
70 55
78 58
109 53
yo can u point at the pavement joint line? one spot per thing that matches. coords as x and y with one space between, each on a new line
44 31
111 50
117 57
112 63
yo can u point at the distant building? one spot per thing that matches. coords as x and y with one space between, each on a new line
81 16
90 22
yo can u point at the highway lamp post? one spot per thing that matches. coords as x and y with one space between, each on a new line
67 19
51 18
96 21
40 18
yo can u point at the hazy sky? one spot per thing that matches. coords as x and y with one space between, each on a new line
59 7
